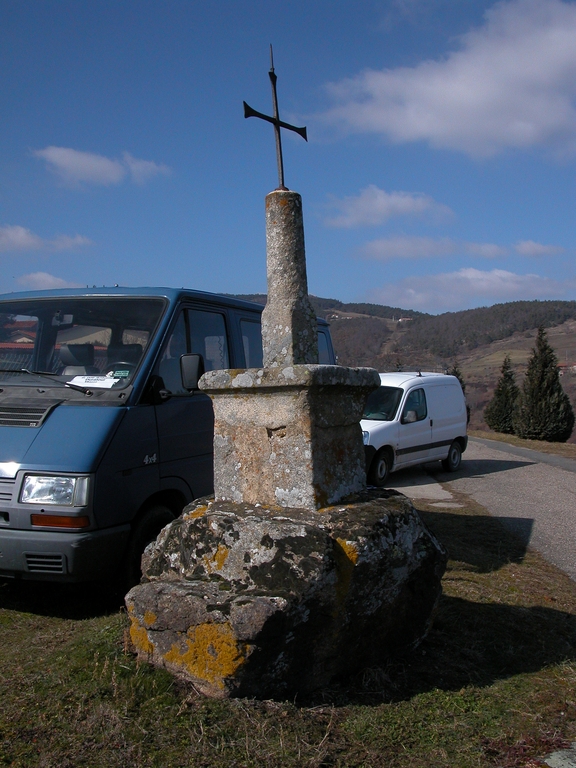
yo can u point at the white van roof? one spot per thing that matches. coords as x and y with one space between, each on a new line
404 379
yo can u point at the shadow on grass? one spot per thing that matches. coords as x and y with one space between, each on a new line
486 543
63 601
479 643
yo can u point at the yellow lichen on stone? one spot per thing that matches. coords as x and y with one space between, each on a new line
149 618
349 549
139 637
346 557
216 562
212 653
198 512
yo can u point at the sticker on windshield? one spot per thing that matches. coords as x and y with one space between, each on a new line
105 382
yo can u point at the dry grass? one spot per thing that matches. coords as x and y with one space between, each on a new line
568 450
493 684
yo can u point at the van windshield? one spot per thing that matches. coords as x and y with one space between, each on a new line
383 404
95 342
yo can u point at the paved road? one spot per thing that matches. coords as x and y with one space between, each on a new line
533 493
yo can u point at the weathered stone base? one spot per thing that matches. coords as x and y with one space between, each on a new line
289 436
268 603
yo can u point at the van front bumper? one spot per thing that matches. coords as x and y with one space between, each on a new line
55 556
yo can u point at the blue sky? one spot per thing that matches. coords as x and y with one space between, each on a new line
439 172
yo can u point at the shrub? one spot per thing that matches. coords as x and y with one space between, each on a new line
499 412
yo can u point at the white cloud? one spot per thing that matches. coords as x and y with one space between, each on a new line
142 170
387 248
375 206
66 243
75 167
16 238
404 247
485 250
38 281
511 83
530 248
469 288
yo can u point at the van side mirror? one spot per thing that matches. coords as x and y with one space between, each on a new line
191 369
409 417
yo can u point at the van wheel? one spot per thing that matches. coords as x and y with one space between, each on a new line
454 458
379 469
145 531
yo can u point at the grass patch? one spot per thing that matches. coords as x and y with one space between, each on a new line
568 450
492 685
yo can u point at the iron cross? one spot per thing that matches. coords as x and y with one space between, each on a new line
276 122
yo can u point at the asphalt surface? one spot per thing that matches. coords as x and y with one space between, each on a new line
533 493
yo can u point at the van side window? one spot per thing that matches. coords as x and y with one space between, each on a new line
323 350
196 330
415 404
252 343
169 368
208 338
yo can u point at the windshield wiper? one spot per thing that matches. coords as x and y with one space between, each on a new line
48 375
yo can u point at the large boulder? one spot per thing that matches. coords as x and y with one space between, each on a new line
244 600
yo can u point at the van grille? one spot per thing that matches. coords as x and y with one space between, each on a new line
6 491
23 413
17 416
45 563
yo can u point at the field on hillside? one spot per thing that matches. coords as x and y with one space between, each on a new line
481 368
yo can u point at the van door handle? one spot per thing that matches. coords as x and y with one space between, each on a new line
431 422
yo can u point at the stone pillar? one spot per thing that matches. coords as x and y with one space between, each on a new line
288 434
289 333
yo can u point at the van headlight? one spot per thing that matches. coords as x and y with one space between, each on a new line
365 437
63 491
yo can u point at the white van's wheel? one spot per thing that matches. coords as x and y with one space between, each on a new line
454 458
145 531
379 469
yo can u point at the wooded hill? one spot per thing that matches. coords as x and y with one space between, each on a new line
391 338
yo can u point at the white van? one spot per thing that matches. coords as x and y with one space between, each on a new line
413 418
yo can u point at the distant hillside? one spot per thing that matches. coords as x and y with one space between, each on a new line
390 338
326 307
454 333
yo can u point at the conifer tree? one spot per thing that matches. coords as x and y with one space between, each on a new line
455 371
499 412
544 411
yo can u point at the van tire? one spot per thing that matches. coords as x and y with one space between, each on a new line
452 462
145 531
380 468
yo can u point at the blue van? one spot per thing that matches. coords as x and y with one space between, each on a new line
103 437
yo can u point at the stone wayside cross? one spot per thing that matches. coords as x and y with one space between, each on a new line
294 573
